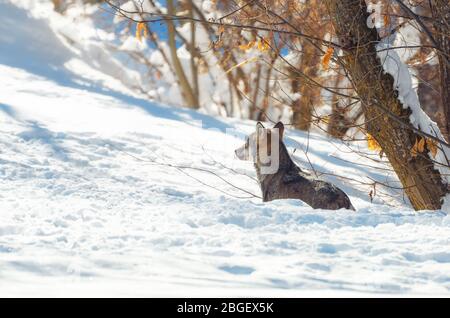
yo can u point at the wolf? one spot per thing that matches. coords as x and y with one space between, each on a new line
287 180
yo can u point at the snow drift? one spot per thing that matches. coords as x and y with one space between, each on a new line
87 208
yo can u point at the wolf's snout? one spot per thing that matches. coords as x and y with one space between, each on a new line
240 153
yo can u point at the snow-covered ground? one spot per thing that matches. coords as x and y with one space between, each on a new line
90 207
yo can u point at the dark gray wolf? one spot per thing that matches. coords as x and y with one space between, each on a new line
287 180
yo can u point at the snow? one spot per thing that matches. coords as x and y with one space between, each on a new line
132 44
88 209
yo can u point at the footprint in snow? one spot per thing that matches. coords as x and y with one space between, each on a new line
237 270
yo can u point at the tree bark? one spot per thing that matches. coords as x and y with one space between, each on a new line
422 183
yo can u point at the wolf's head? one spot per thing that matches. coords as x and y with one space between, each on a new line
262 145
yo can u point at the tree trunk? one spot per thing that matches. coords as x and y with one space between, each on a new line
192 51
302 108
441 17
186 89
338 123
423 184
254 107
264 108
233 79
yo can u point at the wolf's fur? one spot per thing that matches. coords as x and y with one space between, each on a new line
289 181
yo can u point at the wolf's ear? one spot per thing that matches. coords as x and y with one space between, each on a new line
259 127
280 127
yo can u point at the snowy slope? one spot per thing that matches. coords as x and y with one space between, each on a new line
87 210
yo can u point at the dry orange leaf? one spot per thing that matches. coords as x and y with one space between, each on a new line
248 46
263 45
432 147
327 57
419 147
221 29
414 149
141 28
372 144
325 119
387 20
